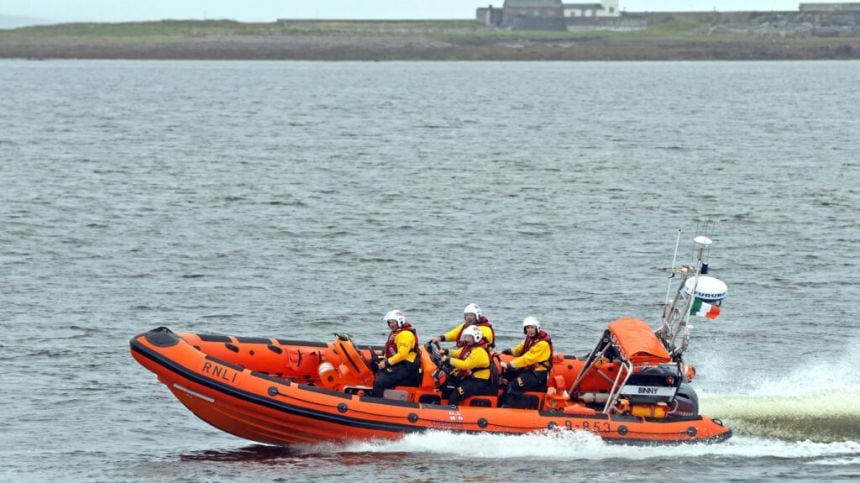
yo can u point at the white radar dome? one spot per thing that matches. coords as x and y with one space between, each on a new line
709 289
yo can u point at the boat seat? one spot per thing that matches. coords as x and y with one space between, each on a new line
427 368
428 398
480 401
531 400
399 393
421 395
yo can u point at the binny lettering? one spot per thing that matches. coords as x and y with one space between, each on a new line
220 372
647 390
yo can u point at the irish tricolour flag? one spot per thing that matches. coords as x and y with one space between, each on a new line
704 310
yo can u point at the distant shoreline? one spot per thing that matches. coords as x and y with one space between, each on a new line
389 41
384 49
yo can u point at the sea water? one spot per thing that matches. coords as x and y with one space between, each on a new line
299 199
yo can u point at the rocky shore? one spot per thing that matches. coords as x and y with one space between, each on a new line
790 25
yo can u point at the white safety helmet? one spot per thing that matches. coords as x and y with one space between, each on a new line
532 321
475 332
395 315
473 309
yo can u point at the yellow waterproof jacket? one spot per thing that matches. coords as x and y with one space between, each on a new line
404 342
451 335
477 361
538 354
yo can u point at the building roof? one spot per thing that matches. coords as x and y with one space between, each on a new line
532 3
590 6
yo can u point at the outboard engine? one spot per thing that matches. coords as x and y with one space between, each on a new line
686 402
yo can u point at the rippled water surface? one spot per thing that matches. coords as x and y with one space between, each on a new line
298 199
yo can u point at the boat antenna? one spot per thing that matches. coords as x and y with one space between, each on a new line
672 273
702 248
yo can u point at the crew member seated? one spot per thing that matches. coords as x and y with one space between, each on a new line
472 374
472 315
530 369
400 365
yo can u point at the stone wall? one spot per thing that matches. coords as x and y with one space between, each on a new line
789 24
617 24
769 24
525 22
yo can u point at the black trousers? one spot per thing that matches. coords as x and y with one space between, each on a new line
404 373
520 382
458 389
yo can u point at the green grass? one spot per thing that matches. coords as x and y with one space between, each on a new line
197 27
144 29
453 30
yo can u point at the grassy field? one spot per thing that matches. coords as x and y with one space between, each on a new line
193 28
672 39
677 29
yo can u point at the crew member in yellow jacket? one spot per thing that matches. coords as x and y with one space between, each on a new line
400 365
472 315
529 370
473 373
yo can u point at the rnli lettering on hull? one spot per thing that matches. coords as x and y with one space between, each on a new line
219 372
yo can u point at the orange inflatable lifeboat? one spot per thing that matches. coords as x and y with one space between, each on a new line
281 392
631 388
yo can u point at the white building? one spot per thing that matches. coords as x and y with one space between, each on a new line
604 8
546 14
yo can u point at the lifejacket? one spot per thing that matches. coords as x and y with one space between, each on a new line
530 341
464 354
391 346
482 322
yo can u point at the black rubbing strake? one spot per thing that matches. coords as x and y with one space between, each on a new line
213 338
302 342
252 340
269 377
216 360
390 402
327 392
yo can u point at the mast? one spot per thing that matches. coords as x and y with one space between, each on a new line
676 315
